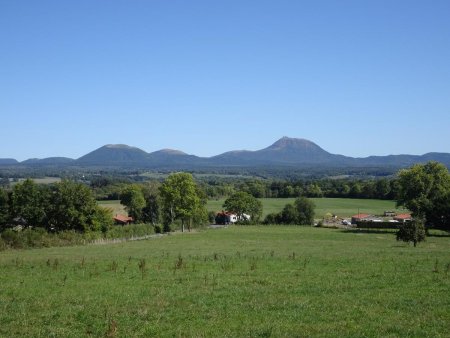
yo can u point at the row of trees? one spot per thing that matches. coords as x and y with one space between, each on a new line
177 200
63 206
110 188
380 189
300 212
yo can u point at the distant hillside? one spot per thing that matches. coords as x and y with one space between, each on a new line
114 155
48 161
8 161
286 152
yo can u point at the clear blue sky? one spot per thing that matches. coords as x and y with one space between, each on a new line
356 77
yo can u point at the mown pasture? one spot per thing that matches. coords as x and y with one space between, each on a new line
342 207
252 281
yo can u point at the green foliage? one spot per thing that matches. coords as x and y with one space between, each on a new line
73 207
102 219
181 200
28 202
4 208
129 231
243 203
425 190
300 212
305 210
133 198
412 231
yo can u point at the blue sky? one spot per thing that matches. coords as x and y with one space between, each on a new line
358 78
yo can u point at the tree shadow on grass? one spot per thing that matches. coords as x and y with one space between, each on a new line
439 234
369 231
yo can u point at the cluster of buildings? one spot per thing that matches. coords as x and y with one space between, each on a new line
392 218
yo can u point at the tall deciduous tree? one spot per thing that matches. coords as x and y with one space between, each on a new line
243 203
4 208
305 211
28 201
425 190
133 199
72 206
151 212
181 199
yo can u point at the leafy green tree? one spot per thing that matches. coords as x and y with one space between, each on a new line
243 203
413 231
151 211
383 188
102 219
133 199
313 190
305 211
289 215
4 208
180 200
424 189
73 207
29 201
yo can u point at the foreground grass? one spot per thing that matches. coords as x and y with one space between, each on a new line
236 282
343 207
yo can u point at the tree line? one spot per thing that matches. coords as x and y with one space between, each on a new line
110 188
62 206
180 201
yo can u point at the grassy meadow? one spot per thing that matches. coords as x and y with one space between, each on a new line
250 281
342 207
115 206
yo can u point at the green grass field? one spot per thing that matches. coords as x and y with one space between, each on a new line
115 206
342 207
235 282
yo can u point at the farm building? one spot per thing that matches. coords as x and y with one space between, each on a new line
403 218
225 217
122 219
360 217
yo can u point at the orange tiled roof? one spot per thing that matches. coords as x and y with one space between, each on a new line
360 216
123 219
403 216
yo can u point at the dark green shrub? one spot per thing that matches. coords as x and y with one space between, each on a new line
158 229
211 217
12 239
3 245
412 231
167 228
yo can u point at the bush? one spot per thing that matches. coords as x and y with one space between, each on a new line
167 228
130 230
12 239
158 229
211 217
3 245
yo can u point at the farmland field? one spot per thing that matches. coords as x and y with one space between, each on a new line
236 282
343 207
114 205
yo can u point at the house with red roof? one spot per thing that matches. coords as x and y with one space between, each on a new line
402 218
360 217
123 220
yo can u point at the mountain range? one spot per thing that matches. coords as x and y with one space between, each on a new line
284 152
